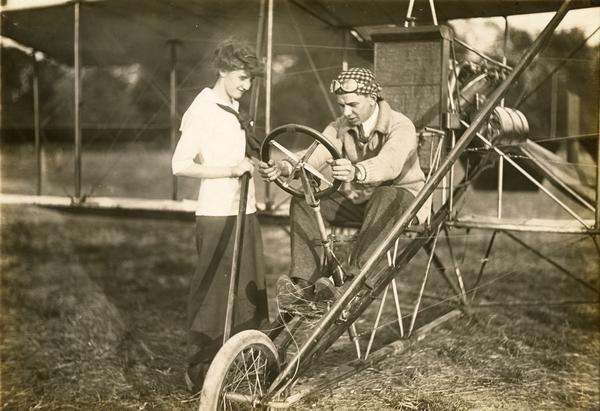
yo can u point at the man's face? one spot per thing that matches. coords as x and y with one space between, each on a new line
356 107
236 83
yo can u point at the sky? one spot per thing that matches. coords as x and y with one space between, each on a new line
479 34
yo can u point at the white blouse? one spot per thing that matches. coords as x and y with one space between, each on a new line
213 137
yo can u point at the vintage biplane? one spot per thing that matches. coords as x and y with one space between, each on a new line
455 95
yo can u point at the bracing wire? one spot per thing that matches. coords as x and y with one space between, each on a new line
525 97
484 150
312 64
111 168
559 242
58 105
564 138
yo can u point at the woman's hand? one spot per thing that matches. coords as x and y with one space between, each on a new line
271 171
244 166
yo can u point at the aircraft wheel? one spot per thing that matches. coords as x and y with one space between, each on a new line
240 373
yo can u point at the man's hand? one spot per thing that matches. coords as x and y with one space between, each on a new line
342 169
244 166
271 171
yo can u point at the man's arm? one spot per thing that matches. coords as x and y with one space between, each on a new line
321 155
389 162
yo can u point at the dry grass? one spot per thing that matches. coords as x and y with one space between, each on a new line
522 357
93 313
93 318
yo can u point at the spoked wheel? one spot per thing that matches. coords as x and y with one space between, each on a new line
240 373
308 144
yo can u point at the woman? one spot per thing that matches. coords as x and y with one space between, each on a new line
212 149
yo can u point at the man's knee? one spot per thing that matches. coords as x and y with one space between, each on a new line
387 203
384 193
399 197
382 198
297 204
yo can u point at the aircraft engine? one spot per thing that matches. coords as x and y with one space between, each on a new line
507 126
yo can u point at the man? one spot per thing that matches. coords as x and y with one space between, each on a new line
380 165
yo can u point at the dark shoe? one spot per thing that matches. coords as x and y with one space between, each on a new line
290 292
306 287
194 377
325 289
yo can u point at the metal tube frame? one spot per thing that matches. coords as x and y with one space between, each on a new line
173 107
376 285
268 74
36 123
397 304
413 318
376 323
598 185
484 262
77 98
260 32
346 41
456 266
381 280
500 187
391 257
439 266
408 18
304 353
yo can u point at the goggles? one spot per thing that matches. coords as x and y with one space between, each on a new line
347 86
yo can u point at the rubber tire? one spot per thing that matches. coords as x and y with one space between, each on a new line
225 358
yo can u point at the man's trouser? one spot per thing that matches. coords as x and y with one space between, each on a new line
376 216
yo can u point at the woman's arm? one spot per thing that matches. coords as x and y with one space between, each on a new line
187 159
198 170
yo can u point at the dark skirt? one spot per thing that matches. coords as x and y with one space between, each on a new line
207 301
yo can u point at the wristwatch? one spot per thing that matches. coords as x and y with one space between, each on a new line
359 173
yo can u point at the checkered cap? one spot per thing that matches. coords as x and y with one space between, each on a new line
366 79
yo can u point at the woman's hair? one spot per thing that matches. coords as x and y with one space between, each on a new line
232 54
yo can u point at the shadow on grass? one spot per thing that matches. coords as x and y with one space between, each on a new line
93 317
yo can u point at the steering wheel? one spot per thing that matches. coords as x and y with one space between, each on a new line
299 161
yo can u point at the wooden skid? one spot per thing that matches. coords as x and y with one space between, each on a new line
355 366
538 225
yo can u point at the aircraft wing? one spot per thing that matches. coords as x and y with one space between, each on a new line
376 12
120 32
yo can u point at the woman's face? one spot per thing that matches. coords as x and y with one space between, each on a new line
236 83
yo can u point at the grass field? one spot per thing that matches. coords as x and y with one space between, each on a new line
93 313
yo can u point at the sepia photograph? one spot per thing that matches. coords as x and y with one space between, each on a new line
299 204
